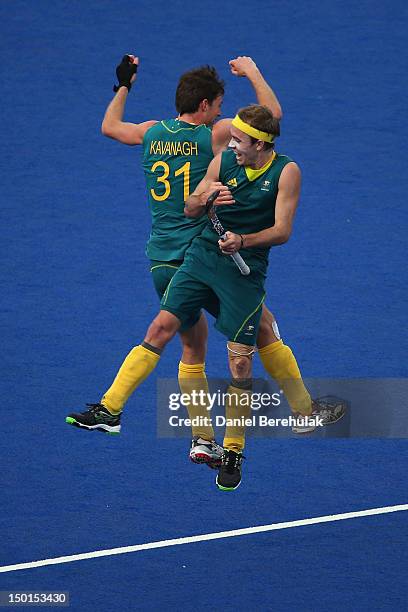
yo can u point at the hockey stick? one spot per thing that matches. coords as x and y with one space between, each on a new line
217 225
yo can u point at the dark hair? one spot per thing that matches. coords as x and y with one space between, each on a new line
261 118
195 86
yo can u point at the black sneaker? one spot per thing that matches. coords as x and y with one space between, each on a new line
97 417
206 451
229 476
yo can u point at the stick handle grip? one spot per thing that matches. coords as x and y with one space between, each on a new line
239 262
243 267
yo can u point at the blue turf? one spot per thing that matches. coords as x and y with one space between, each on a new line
77 295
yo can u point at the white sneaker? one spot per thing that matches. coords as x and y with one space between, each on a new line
206 451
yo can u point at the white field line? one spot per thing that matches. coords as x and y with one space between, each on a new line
203 538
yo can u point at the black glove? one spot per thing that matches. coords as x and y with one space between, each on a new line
124 72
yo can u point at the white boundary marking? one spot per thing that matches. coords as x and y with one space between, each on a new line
203 538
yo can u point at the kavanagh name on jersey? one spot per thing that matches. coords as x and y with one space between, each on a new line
159 147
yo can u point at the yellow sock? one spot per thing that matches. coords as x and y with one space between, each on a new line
192 378
238 406
280 363
134 370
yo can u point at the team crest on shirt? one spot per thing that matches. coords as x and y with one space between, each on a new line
266 186
232 183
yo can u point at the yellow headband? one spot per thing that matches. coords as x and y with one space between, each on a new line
251 131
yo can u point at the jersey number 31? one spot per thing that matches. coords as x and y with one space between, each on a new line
163 179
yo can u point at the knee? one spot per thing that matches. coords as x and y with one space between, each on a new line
240 367
162 329
240 360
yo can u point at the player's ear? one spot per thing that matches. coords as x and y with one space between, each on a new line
204 105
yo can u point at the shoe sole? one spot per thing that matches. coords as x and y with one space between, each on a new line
113 431
205 459
298 430
221 488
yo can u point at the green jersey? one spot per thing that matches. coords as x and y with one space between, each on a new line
176 156
255 195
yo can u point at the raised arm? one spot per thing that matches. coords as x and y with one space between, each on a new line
195 203
244 66
113 125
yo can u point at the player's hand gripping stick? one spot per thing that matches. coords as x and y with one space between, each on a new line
217 225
